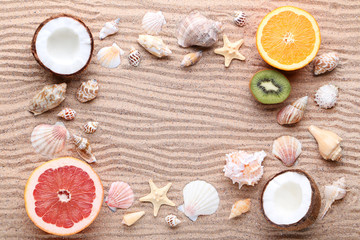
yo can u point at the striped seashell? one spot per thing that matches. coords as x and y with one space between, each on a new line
109 28
131 218
120 196
67 114
293 112
326 96
239 18
90 127
87 91
287 149
240 207
191 59
134 57
325 63
109 57
83 148
48 98
154 45
152 22
172 220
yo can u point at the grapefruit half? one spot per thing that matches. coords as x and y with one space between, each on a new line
63 196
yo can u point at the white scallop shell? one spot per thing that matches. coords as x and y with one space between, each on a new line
109 57
326 96
91 127
152 22
200 198
120 196
154 45
109 28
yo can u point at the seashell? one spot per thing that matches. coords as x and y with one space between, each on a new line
333 192
83 148
152 22
134 57
239 18
48 98
87 91
197 30
325 63
244 168
49 139
191 59
293 112
326 96
90 127
109 57
287 149
109 28
131 218
329 143
172 220
67 114
120 196
240 207
200 198
154 45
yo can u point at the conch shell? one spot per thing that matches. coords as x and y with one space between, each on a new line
292 113
48 98
325 63
83 148
240 207
154 45
197 30
329 143
333 192
109 28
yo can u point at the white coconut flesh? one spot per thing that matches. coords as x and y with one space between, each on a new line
287 198
63 45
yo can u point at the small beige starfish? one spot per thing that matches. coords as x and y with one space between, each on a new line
157 196
230 50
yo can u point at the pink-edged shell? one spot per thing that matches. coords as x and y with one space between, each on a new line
172 220
239 18
134 57
287 149
67 114
120 196
325 63
83 148
293 112
87 91
91 127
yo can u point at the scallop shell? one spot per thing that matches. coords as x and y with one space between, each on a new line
154 45
239 18
48 98
83 148
244 168
152 22
120 196
240 207
131 218
200 198
172 220
292 113
325 63
287 149
134 57
191 59
109 28
333 192
326 96
109 57
197 30
87 91
90 127
49 140
67 114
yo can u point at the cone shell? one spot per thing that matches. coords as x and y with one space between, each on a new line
240 207
200 198
131 218
325 63
239 18
109 28
197 30
120 196
152 22
329 143
287 149
134 57
172 220
49 140
333 192
83 148
91 127
326 96
191 59
292 113
48 98
154 45
109 57
67 114
87 91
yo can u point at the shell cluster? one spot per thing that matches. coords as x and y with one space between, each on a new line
293 112
154 45
110 57
287 149
172 220
67 114
90 127
239 18
326 96
134 57
87 91
83 148
240 207
153 22
109 28
333 192
325 63
120 196
191 59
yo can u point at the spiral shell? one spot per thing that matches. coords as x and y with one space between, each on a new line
333 192
325 63
109 28
91 127
83 148
239 18
134 57
152 22
120 196
292 113
191 59
131 218
172 220
287 149
87 91
154 45
109 57
67 114
240 207
326 96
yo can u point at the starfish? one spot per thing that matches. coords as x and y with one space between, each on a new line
230 50
157 197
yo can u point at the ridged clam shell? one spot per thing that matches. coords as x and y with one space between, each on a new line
91 127
120 196
131 218
48 98
191 59
239 18
154 45
292 113
287 149
67 114
197 30
83 148
134 57
172 220
200 198
109 57
240 207
333 192
49 139
109 28
326 96
87 91
325 63
152 22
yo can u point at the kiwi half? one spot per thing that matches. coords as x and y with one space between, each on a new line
270 87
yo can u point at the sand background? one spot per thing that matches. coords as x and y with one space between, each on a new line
176 125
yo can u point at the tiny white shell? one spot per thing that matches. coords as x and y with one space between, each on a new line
152 22
109 57
326 96
120 196
172 220
109 28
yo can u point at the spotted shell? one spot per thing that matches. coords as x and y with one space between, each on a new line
48 98
239 18
293 112
134 57
87 91
172 220
154 45
67 114
326 96
120 196
191 59
91 127
83 148
152 22
287 149
325 63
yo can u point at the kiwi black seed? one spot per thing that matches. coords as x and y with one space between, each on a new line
270 87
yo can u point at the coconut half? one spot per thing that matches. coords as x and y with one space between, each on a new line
63 44
291 200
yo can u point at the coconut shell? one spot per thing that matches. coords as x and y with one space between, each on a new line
33 44
314 209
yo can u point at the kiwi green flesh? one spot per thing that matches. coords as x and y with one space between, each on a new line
270 87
